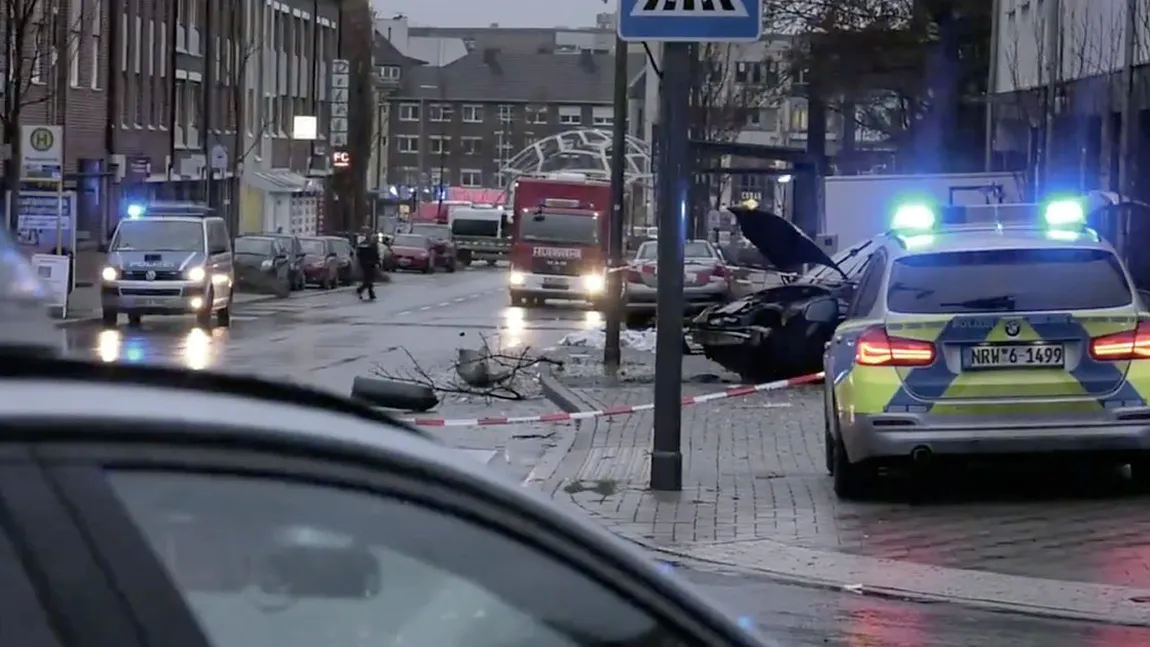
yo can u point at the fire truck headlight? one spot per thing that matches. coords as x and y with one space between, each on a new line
594 283
516 278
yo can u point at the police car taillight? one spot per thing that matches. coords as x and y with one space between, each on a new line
876 348
1126 345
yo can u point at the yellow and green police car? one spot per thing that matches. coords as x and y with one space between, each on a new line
988 331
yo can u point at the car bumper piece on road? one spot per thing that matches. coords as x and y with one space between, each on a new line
885 438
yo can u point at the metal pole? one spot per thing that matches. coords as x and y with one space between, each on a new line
1053 72
1127 135
992 88
674 176
612 352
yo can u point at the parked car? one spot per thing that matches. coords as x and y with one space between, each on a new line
443 242
764 336
707 280
320 264
263 264
414 252
348 268
295 257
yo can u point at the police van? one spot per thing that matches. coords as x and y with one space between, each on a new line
169 259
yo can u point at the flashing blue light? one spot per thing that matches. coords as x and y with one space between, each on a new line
135 211
1064 213
914 217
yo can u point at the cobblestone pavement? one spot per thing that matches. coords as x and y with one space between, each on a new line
753 472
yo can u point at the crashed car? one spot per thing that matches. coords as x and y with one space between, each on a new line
766 336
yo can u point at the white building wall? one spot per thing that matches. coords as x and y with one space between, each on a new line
1091 40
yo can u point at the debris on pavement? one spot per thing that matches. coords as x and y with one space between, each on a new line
640 340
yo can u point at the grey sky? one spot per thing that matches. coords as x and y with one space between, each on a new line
508 13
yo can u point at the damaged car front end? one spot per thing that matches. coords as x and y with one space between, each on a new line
781 331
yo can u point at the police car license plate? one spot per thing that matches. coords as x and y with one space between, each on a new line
555 284
1016 356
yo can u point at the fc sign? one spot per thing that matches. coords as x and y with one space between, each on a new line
340 159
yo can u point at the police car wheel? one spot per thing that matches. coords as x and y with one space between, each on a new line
109 317
852 481
135 320
204 317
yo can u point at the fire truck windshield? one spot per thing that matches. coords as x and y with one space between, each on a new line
559 228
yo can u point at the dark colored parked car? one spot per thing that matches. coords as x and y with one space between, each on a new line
263 265
347 267
295 257
320 262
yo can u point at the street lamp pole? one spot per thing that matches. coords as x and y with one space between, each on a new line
612 351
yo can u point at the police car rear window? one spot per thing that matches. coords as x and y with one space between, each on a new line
1007 280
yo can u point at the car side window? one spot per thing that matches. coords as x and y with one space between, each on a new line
263 561
869 286
217 236
24 620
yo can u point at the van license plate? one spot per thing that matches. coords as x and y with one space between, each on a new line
554 284
1016 356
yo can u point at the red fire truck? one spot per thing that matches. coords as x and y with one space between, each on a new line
558 239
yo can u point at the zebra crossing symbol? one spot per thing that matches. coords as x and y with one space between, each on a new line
684 8
690 21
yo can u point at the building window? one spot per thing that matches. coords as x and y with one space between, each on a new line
409 112
471 145
603 116
440 112
471 178
473 114
407 143
506 114
570 115
536 114
389 72
440 145
770 120
798 110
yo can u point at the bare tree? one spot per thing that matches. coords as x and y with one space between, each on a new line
41 48
250 128
1084 50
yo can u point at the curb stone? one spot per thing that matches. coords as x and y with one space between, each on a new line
870 576
260 298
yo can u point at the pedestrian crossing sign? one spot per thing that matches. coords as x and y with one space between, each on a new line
690 20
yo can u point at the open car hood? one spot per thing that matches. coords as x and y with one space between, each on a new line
779 240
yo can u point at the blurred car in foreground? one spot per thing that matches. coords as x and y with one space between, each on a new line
320 262
413 252
263 265
707 280
224 508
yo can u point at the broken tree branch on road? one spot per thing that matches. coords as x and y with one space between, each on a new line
477 372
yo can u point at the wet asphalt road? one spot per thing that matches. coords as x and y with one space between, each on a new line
327 339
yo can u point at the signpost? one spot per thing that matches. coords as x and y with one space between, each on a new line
677 24
340 83
37 212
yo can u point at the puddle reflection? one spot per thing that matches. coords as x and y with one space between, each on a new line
197 349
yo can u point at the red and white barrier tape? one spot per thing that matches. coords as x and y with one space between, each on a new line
561 416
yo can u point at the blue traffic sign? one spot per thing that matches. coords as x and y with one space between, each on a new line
690 20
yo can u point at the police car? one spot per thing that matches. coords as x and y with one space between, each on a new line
991 330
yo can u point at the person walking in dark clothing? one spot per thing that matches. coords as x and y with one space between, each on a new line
367 253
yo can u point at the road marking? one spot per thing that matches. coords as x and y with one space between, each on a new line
442 304
405 312
425 308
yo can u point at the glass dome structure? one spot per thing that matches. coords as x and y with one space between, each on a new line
586 151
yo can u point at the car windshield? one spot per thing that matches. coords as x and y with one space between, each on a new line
248 245
158 235
409 240
312 246
475 225
693 250
559 228
1007 280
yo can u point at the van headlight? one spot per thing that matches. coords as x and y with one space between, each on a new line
196 274
594 283
516 278
110 274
